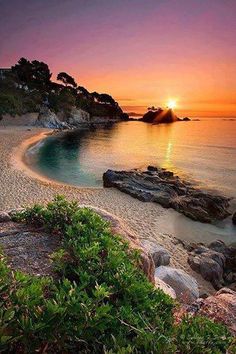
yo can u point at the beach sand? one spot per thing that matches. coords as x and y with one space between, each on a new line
19 186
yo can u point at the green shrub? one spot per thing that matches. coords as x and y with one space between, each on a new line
199 335
100 301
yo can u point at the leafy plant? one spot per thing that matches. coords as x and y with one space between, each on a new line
100 301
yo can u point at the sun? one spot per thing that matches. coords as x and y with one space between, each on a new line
171 104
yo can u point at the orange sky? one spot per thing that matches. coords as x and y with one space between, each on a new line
142 52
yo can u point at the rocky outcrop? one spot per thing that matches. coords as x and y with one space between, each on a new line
159 254
48 119
78 117
159 116
216 263
185 286
163 187
220 307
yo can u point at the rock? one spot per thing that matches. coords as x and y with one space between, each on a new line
160 284
185 286
159 254
211 271
216 263
234 218
48 119
159 116
221 307
152 168
163 187
186 119
78 117
4 217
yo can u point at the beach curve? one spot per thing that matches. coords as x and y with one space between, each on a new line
20 187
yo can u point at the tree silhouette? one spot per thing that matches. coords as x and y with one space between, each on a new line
66 79
34 73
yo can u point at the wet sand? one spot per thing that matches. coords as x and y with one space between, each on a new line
20 186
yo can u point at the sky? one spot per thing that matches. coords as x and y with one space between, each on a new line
142 52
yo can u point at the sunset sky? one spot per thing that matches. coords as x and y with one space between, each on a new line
142 52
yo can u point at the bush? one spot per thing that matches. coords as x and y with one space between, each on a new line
100 302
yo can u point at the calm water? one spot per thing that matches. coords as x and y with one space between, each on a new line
203 151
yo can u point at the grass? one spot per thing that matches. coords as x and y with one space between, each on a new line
100 302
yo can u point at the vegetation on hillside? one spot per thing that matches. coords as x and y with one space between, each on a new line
99 302
29 84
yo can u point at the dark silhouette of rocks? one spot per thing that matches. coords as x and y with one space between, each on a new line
160 116
163 187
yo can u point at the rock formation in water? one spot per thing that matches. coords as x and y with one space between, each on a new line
160 116
163 187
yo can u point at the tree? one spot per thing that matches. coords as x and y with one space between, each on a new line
82 90
66 79
34 73
23 70
104 98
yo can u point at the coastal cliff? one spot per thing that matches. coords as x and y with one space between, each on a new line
27 89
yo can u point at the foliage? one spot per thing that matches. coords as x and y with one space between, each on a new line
31 83
199 335
100 302
34 74
66 79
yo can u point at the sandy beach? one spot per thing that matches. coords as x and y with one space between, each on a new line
20 187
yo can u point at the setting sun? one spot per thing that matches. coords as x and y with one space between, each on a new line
171 104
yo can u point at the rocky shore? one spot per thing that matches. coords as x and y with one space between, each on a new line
163 187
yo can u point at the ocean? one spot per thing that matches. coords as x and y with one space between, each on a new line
203 152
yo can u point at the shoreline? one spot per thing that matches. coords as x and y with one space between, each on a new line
21 187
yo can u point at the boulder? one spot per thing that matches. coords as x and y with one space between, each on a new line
160 284
211 271
159 254
216 263
185 286
4 217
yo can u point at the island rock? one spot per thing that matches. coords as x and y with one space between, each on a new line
159 116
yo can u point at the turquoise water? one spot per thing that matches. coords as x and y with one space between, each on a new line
203 151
